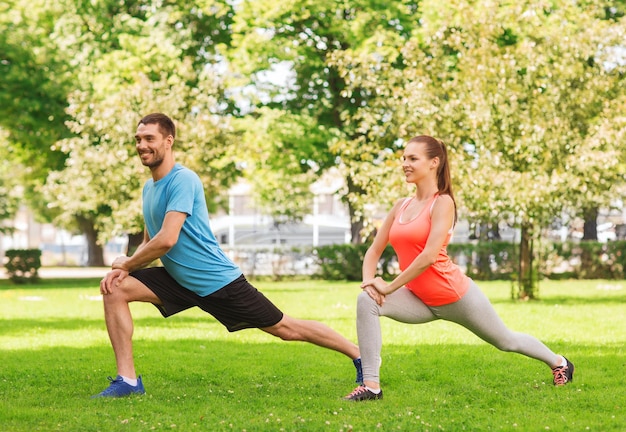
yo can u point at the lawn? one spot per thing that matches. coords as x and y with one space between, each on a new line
54 354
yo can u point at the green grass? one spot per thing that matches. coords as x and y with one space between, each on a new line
54 354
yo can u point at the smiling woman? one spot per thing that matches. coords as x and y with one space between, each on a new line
430 286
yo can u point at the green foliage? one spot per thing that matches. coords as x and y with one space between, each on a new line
541 115
9 189
196 27
529 100
35 79
493 260
299 38
22 265
137 60
75 78
490 260
586 260
555 260
34 82
277 149
344 262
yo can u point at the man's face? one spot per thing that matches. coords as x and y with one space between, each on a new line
151 145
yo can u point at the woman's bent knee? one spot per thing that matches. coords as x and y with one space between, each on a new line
364 300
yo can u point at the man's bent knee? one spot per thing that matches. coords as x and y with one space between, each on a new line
129 290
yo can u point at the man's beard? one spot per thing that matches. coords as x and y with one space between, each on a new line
154 163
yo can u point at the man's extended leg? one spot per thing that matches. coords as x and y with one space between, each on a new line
293 329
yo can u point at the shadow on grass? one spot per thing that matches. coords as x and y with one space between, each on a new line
20 326
605 299
53 283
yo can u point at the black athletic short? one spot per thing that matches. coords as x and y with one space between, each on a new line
237 306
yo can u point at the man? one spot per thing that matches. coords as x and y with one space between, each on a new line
195 272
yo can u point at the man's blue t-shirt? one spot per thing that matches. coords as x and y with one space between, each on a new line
196 261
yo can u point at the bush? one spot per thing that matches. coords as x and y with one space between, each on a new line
23 265
490 260
345 261
588 259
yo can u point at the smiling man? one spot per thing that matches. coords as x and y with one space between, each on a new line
196 271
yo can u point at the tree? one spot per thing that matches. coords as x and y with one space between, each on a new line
34 81
9 188
136 60
524 96
299 38
275 138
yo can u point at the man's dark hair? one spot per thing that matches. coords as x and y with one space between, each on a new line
166 125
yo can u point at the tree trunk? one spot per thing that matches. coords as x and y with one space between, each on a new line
95 252
356 226
527 279
590 233
590 228
483 255
356 219
134 240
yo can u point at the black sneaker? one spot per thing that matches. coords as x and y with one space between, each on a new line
361 393
563 374
359 371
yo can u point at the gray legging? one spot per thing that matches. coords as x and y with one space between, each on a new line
473 311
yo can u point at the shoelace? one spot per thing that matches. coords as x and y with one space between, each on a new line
560 375
358 390
112 388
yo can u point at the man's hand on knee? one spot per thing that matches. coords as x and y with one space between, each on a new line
112 280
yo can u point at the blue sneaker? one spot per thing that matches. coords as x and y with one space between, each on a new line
118 388
359 371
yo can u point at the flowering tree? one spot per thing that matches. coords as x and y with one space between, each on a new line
308 114
132 61
529 97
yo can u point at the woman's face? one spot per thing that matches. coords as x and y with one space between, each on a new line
416 164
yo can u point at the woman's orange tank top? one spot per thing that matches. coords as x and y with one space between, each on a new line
443 282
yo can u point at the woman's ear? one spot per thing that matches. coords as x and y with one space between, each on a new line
434 162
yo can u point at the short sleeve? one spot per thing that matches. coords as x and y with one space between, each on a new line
181 192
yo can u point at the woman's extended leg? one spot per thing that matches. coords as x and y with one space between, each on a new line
476 313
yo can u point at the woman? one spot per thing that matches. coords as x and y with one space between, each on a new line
429 286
